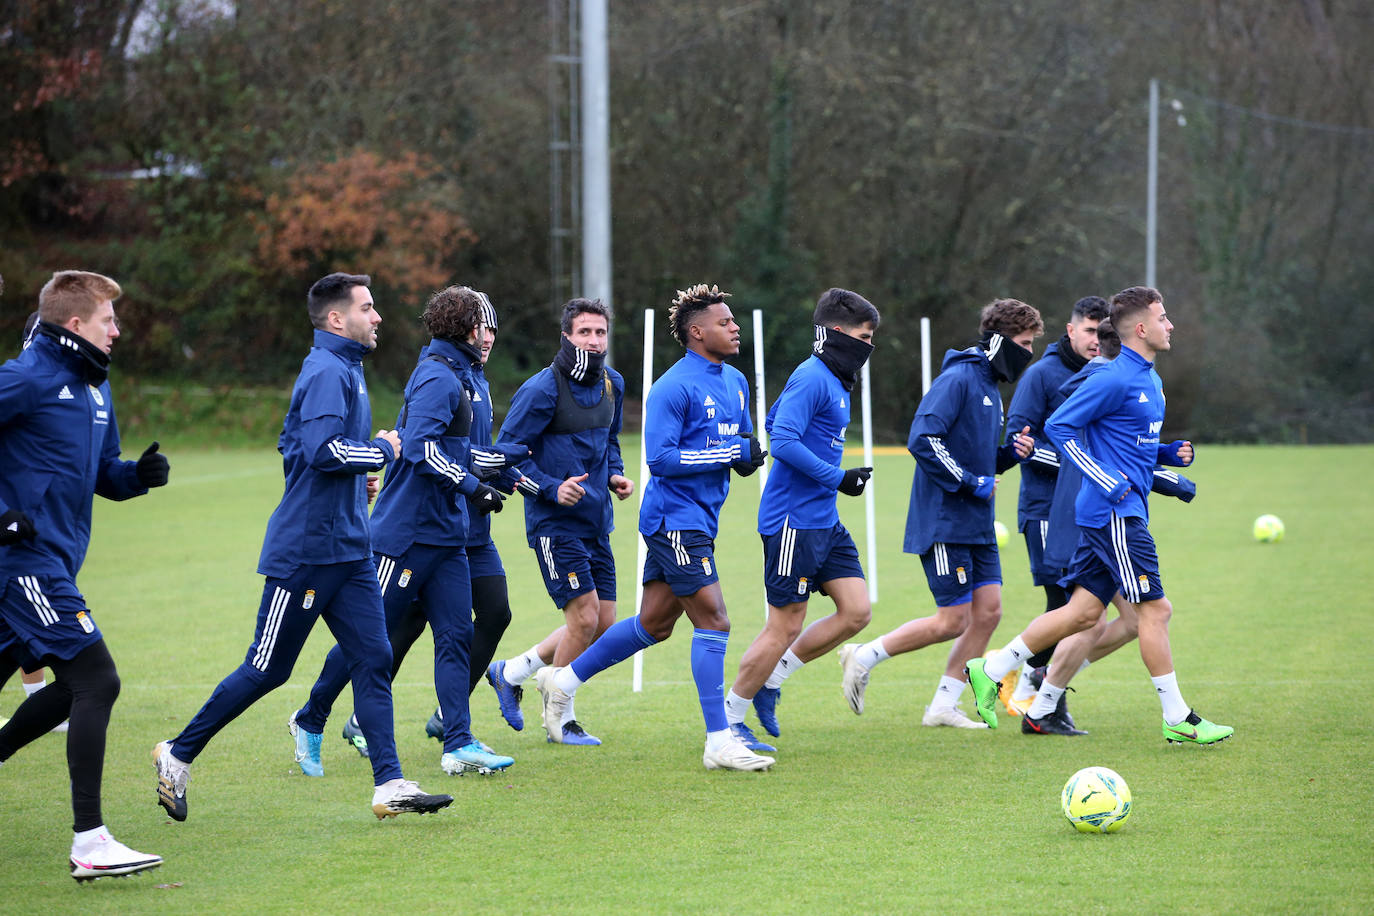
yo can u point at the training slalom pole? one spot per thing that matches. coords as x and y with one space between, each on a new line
868 490
925 356
760 403
760 414
641 552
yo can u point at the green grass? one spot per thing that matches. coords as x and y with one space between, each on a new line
861 814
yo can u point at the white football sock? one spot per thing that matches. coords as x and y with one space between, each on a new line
566 681
948 693
716 740
736 707
1024 690
84 839
522 667
1004 661
870 653
31 689
787 666
1045 701
1175 708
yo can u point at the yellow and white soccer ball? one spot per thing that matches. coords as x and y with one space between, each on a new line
1268 529
1096 800
1001 532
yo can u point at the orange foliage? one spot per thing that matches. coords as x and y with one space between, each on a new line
389 218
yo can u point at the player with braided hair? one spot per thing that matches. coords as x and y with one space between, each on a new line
697 431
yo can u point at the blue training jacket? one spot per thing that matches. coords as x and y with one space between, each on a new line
59 445
806 427
698 412
1062 537
424 496
1110 428
955 438
326 455
556 456
1031 404
483 422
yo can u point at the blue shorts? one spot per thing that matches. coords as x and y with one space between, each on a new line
574 566
1119 557
1037 531
45 616
953 571
685 560
798 560
484 561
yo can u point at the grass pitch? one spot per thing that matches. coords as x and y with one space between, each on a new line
861 814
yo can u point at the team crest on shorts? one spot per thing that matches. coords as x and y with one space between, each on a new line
572 580
405 578
309 601
963 576
801 586
706 565
85 620
1144 584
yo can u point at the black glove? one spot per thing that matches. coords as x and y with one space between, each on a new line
486 499
15 526
854 481
152 468
748 464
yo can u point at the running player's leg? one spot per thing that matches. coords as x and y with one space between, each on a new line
356 616
491 616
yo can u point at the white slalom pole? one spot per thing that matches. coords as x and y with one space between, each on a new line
925 356
642 550
760 404
872 545
760 412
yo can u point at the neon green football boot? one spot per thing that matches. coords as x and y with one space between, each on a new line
1196 730
984 690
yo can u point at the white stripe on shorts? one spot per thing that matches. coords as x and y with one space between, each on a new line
679 554
46 615
1130 588
546 548
941 560
786 548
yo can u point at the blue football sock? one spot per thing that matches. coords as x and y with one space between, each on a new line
708 671
623 639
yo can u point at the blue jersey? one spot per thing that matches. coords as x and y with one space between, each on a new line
1110 429
1062 536
483 422
806 428
424 498
326 455
697 412
954 438
558 455
1031 404
59 445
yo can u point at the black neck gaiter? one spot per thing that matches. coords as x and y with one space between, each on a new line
842 354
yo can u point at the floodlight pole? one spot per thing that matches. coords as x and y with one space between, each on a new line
1152 186
596 175
642 551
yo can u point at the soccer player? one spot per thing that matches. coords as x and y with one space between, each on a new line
1110 429
317 555
59 445
698 430
419 529
954 438
805 548
1030 406
569 416
490 600
1048 714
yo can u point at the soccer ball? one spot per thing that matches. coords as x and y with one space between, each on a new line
1002 534
1268 529
1096 800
